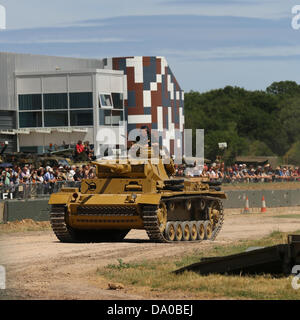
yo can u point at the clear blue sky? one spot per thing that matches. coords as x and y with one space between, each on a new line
208 43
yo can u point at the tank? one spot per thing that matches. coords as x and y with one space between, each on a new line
137 194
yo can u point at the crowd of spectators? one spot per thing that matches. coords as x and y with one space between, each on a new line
239 173
47 178
29 175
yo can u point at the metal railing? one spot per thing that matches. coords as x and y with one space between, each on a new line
34 190
43 190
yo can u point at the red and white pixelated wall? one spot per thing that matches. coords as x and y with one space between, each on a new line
153 96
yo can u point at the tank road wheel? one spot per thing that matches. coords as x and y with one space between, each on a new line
170 232
201 230
179 232
186 233
208 230
193 230
162 217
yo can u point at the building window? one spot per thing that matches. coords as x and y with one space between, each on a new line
117 100
110 117
82 118
81 100
30 119
105 100
56 101
30 102
116 117
56 118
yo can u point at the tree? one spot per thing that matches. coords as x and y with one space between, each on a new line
284 88
259 148
293 155
251 122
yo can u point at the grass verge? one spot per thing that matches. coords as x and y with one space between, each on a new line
292 185
156 275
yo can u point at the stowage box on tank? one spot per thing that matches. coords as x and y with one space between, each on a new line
137 194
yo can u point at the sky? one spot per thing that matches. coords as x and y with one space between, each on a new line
208 44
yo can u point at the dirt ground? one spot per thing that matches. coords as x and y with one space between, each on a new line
38 266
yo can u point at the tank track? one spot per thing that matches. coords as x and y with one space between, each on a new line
220 223
58 224
151 223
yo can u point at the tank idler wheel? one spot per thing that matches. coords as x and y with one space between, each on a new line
208 230
193 230
215 212
170 232
162 217
179 231
186 235
201 230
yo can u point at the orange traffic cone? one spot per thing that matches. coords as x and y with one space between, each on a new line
246 209
263 207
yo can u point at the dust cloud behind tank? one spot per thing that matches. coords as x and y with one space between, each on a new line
137 194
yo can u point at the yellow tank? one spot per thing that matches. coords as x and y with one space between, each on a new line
137 194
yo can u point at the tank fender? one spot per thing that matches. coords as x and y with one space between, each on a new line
148 199
60 198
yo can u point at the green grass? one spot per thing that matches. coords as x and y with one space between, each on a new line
296 216
156 275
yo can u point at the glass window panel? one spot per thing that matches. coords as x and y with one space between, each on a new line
56 118
81 100
30 102
116 117
105 100
82 118
30 119
110 117
117 100
105 117
56 101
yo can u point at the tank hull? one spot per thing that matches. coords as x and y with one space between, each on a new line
98 213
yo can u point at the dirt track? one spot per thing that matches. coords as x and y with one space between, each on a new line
40 267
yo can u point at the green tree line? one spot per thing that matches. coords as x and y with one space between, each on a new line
256 123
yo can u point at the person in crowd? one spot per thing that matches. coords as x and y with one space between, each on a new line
80 153
79 175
